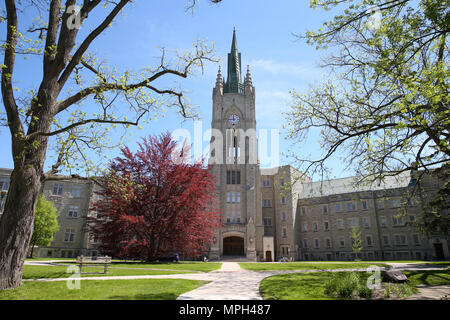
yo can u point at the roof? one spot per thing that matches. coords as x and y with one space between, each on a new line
350 185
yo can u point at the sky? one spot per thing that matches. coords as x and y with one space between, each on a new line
265 30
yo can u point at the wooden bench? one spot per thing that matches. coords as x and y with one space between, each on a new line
81 260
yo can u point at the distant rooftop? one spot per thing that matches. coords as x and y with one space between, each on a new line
349 185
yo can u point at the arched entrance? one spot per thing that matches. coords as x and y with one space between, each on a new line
233 246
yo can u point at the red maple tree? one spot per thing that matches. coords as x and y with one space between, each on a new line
155 202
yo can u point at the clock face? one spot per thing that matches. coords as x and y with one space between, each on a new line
233 119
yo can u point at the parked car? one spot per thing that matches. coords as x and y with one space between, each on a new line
169 258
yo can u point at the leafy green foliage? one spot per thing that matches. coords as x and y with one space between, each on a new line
385 110
347 285
45 222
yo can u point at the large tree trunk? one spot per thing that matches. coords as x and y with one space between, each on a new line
16 225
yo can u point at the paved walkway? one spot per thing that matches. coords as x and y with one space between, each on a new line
431 293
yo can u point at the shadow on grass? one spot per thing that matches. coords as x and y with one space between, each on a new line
148 296
429 277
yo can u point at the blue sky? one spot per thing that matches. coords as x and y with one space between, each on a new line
278 61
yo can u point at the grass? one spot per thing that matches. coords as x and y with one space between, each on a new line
119 269
311 286
43 272
306 265
164 289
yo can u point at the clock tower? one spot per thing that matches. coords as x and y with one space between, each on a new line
234 161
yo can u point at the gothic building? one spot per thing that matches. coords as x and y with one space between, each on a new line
271 213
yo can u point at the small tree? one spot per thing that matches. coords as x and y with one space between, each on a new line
155 202
45 223
355 235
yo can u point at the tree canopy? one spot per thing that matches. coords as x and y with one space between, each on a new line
45 223
385 109
155 202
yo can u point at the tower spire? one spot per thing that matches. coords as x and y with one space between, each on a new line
234 81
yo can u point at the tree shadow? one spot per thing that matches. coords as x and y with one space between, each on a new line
148 296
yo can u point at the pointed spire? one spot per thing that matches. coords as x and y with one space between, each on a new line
219 83
248 77
234 80
234 47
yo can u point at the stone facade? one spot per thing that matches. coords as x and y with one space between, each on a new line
72 198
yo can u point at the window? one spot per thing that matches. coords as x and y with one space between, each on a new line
69 235
315 227
266 203
57 189
238 197
416 239
328 242
316 243
325 209
340 224
395 203
4 184
342 242
400 239
267 222
386 240
73 212
380 204
266 183
233 177
236 217
285 251
351 206
284 232
305 244
397 221
369 241
383 222
228 197
228 217
281 182
76 191
326 226
305 227
366 221
354 223
303 211
283 200
283 216
364 204
338 207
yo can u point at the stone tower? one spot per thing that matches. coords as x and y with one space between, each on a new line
235 163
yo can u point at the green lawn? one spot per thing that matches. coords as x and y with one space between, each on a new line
164 289
119 269
264 266
310 286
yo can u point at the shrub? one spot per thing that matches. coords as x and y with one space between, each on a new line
365 292
346 286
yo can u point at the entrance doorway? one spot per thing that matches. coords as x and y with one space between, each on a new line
233 246
439 251
268 256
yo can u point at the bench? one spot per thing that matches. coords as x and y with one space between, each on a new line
81 260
